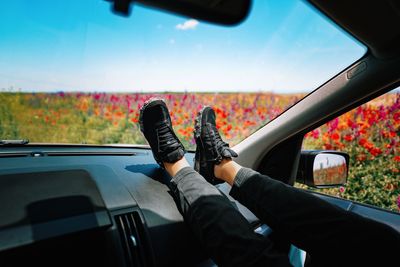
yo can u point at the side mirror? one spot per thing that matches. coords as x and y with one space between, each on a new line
320 168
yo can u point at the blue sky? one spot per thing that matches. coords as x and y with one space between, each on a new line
283 46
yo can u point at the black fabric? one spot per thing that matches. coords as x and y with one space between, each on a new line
331 236
221 229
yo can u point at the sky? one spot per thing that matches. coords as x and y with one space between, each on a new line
283 46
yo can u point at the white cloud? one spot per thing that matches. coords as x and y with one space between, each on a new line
190 24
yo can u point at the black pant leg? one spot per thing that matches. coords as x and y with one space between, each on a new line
221 229
331 235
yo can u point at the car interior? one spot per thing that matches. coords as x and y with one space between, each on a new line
108 205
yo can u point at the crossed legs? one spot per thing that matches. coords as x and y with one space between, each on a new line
332 236
221 229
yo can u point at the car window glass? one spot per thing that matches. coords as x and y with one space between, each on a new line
370 134
73 72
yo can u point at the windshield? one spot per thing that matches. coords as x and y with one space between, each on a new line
73 72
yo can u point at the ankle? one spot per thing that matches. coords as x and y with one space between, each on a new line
174 168
227 170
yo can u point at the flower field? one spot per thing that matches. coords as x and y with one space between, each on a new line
370 133
101 118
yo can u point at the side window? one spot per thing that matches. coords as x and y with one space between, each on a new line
370 134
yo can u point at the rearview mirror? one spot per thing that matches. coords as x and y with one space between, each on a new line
323 168
226 12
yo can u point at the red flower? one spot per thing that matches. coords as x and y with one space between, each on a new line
397 158
351 124
396 117
362 141
367 145
375 151
362 131
328 146
249 123
348 137
335 136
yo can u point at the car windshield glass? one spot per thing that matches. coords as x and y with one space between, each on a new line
73 72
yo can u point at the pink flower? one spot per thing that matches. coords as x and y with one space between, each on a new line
333 124
342 189
97 96
398 202
315 133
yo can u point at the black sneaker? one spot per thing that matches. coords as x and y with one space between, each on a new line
211 149
156 126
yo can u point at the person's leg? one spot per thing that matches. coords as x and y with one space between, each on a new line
316 226
221 229
332 236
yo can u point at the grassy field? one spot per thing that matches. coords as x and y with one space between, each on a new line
370 133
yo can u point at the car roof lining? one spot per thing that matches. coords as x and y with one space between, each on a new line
374 23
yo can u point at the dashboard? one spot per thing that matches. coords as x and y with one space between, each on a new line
93 205
106 206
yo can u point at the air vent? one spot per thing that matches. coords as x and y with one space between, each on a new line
133 238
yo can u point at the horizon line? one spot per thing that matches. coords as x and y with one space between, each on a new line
149 92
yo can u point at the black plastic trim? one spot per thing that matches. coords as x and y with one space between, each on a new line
134 238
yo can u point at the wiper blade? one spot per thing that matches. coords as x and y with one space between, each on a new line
19 142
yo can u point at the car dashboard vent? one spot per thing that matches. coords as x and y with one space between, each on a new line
133 239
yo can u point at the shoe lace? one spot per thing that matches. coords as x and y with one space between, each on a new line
216 140
166 139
